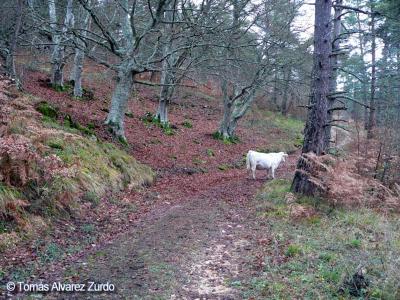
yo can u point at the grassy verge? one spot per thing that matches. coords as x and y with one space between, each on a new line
317 255
49 170
282 133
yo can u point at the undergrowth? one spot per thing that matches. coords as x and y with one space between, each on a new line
226 140
284 133
149 119
316 256
48 169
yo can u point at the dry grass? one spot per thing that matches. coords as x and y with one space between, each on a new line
48 169
338 179
315 248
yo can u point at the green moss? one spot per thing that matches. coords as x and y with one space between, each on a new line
50 253
223 167
62 88
7 195
210 152
167 129
55 144
293 250
286 123
47 110
275 190
97 168
149 119
91 126
355 243
129 114
92 197
226 140
187 124
69 122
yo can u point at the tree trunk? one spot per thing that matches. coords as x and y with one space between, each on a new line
234 110
314 138
337 24
167 72
284 107
241 107
10 58
120 97
364 76
165 80
77 68
58 54
372 116
224 126
165 98
275 90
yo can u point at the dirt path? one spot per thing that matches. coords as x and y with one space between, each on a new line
201 235
196 249
185 251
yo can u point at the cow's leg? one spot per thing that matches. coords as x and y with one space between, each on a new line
253 171
273 173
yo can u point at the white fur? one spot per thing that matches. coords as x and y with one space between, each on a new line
264 161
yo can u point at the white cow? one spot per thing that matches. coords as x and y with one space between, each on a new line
264 161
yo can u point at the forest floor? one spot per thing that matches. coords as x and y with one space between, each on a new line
192 234
204 229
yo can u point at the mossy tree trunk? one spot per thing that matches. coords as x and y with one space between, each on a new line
77 68
235 107
120 97
58 53
165 98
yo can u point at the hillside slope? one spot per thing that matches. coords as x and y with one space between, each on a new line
48 169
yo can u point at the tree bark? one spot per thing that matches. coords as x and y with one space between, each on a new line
234 110
314 138
120 97
337 24
284 106
58 54
372 116
224 127
10 58
165 98
365 78
77 68
275 90
168 65
165 94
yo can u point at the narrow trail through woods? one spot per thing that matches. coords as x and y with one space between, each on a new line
199 233
191 250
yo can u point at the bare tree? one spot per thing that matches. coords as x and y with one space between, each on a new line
59 37
80 42
127 37
8 46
